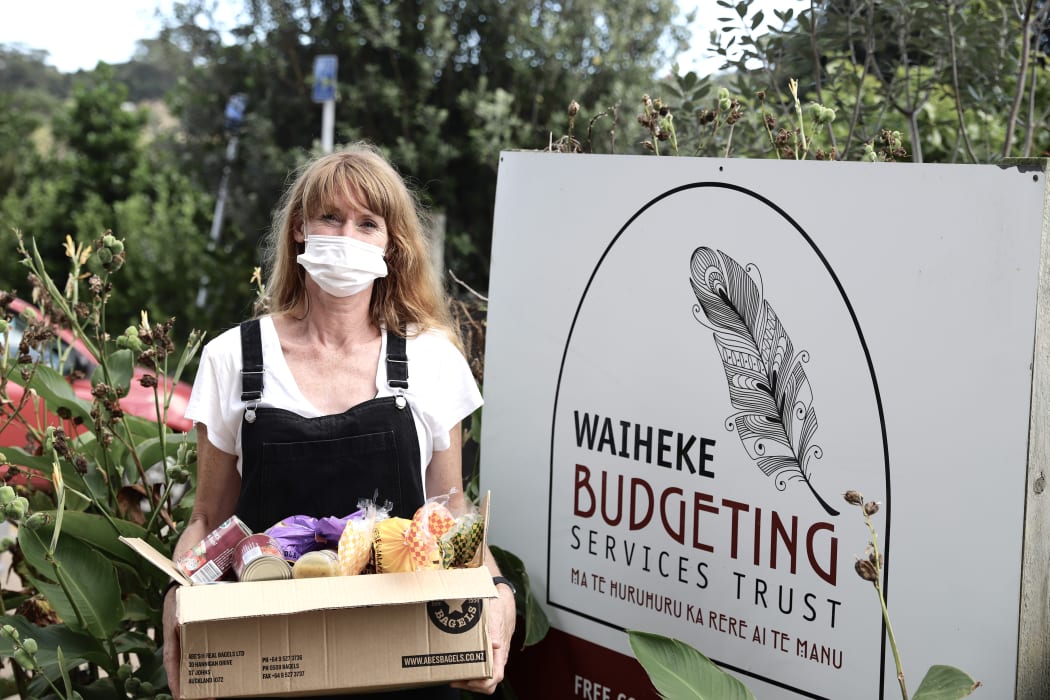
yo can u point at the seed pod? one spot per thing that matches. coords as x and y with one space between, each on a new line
871 508
866 571
7 494
853 498
37 521
30 645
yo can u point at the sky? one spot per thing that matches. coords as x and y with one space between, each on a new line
79 34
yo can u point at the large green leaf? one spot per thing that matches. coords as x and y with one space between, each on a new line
77 648
57 392
536 623
90 600
18 456
120 365
103 534
945 683
681 672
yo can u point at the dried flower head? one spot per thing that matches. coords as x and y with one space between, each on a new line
866 570
853 497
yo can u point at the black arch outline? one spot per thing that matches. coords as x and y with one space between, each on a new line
875 386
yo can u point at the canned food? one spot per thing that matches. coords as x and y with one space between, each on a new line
212 558
258 558
317 563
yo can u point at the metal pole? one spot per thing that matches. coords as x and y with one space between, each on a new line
216 221
327 126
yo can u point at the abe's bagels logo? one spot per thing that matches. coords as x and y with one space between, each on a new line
455 616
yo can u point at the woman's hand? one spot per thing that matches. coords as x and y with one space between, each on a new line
502 616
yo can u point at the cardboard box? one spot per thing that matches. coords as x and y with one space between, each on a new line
342 634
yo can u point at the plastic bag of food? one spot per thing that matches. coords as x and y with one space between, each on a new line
465 537
430 523
298 534
355 542
392 552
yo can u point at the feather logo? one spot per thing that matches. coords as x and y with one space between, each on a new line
768 386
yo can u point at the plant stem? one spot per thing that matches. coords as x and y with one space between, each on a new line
885 610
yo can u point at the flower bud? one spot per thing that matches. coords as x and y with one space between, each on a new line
124 672
147 689
37 520
30 645
7 494
14 510
871 508
23 659
9 632
574 108
866 570
132 685
105 256
853 498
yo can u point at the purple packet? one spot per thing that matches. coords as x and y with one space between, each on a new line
298 534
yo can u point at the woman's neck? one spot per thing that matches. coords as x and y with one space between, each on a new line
334 321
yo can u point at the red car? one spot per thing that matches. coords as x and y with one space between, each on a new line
77 368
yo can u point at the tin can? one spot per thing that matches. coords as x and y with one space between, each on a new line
212 558
259 558
316 563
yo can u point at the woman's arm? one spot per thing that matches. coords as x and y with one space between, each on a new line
444 473
218 486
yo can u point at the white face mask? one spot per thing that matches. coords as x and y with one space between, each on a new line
342 266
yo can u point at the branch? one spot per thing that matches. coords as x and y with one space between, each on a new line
466 286
1022 71
949 10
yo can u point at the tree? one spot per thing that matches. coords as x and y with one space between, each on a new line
99 175
441 86
954 78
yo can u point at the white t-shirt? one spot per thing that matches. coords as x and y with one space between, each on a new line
441 390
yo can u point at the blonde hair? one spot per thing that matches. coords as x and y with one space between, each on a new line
409 295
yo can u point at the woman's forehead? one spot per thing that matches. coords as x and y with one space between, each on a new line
339 197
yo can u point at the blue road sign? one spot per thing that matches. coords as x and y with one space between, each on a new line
325 74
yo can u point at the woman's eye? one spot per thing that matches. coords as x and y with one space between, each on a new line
330 218
368 223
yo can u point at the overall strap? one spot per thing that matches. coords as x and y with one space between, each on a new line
252 365
396 361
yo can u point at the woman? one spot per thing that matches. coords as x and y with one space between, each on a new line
351 376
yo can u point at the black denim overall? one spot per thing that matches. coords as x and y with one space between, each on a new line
323 466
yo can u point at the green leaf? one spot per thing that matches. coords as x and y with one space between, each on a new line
120 365
103 534
536 623
152 451
77 648
945 683
681 672
90 579
57 393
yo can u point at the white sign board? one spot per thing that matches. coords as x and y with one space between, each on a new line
689 361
